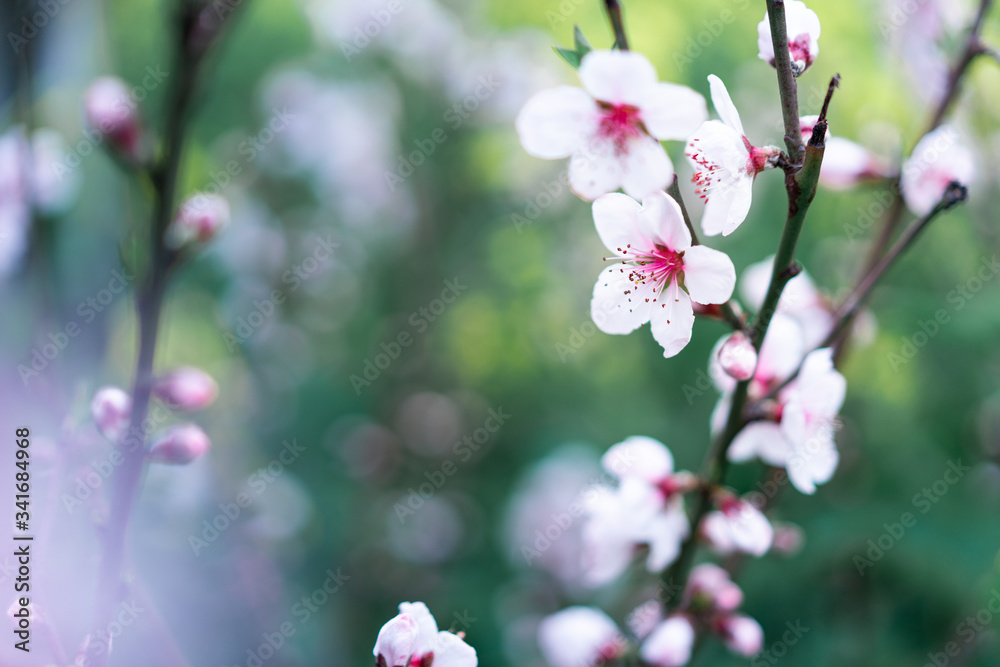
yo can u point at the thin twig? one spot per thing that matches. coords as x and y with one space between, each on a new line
614 9
787 87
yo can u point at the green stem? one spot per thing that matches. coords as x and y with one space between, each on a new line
787 87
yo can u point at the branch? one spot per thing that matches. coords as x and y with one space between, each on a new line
614 9
955 194
973 47
787 87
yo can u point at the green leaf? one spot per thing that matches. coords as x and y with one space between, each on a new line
583 47
570 56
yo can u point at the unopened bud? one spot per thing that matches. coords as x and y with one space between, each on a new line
742 634
199 219
181 444
111 111
738 357
110 409
710 587
187 389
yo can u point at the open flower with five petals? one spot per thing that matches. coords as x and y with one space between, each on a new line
612 127
656 273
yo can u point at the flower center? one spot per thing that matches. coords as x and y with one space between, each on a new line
619 123
658 265
799 50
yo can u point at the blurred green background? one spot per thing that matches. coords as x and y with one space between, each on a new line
517 338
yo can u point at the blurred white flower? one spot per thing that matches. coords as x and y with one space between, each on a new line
939 158
800 300
670 643
580 637
845 163
645 509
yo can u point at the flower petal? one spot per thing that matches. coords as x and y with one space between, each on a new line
577 636
451 651
739 204
709 275
396 640
670 644
672 320
595 169
557 122
724 106
662 221
617 77
426 625
639 456
619 306
761 439
646 167
616 217
671 111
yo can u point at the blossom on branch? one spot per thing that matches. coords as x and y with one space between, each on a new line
657 273
612 127
725 164
411 639
803 37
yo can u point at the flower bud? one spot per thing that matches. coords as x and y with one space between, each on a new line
181 444
111 111
749 528
110 409
738 357
395 642
200 218
709 587
670 643
187 389
742 634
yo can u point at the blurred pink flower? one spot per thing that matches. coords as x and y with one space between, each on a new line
110 410
187 389
412 639
580 637
181 444
938 159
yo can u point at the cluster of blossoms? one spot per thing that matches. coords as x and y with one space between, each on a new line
185 389
659 273
587 636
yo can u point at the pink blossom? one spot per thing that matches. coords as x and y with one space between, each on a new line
739 526
938 159
412 639
670 643
110 409
580 637
845 163
646 509
612 127
742 634
710 587
200 218
180 445
737 356
803 36
187 389
110 110
653 257
725 164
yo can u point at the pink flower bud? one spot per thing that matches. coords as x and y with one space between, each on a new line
750 530
788 538
670 643
181 444
187 389
738 357
742 634
709 586
111 111
395 642
200 218
110 409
